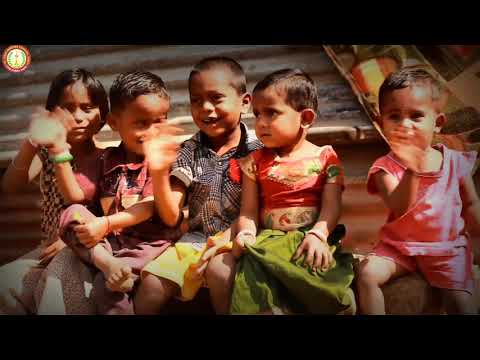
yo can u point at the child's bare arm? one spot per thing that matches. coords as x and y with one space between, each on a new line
471 205
248 221
134 215
25 167
67 184
50 130
331 208
398 196
90 233
169 194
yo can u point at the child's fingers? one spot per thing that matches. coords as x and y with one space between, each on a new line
310 257
81 230
209 253
201 269
318 260
327 260
64 117
91 243
299 251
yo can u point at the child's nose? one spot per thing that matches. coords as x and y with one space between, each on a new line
78 116
260 121
407 122
208 106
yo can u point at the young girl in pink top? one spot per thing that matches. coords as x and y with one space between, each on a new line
429 192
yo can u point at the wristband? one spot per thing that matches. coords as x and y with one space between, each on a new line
63 157
247 232
319 234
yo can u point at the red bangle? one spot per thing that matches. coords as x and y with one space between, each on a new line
319 235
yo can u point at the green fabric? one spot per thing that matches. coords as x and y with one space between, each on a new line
267 277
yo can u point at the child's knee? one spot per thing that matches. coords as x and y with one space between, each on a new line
71 214
368 274
155 287
220 269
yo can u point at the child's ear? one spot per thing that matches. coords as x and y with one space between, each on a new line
439 122
308 118
246 102
112 121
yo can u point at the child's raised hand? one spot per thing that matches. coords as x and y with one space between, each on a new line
161 147
410 145
318 254
48 129
92 232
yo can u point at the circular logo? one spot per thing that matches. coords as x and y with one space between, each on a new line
16 58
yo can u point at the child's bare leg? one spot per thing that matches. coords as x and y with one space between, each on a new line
459 302
119 277
152 294
220 275
373 272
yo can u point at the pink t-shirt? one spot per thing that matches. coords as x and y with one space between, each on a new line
433 226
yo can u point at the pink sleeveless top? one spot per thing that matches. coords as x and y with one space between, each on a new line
433 226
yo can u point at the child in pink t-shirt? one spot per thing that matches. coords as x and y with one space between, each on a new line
429 192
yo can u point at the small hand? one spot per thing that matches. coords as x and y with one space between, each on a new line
160 148
92 232
47 129
410 146
318 254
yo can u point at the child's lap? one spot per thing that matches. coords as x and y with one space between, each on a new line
447 272
134 251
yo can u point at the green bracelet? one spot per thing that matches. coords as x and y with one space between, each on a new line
62 157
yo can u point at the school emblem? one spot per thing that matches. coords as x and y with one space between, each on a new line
16 58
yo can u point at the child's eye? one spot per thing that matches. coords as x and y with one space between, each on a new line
272 113
417 115
395 117
140 123
217 98
87 108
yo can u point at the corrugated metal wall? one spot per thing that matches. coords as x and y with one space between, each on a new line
341 120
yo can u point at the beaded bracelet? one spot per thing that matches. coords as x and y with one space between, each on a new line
63 157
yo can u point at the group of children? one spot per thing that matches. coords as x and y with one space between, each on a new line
253 219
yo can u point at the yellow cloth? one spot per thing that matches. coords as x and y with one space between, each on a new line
178 263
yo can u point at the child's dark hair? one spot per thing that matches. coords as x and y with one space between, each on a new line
408 77
299 88
239 81
130 85
95 89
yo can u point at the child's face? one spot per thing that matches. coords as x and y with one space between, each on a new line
216 105
277 123
411 108
137 120
87 117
